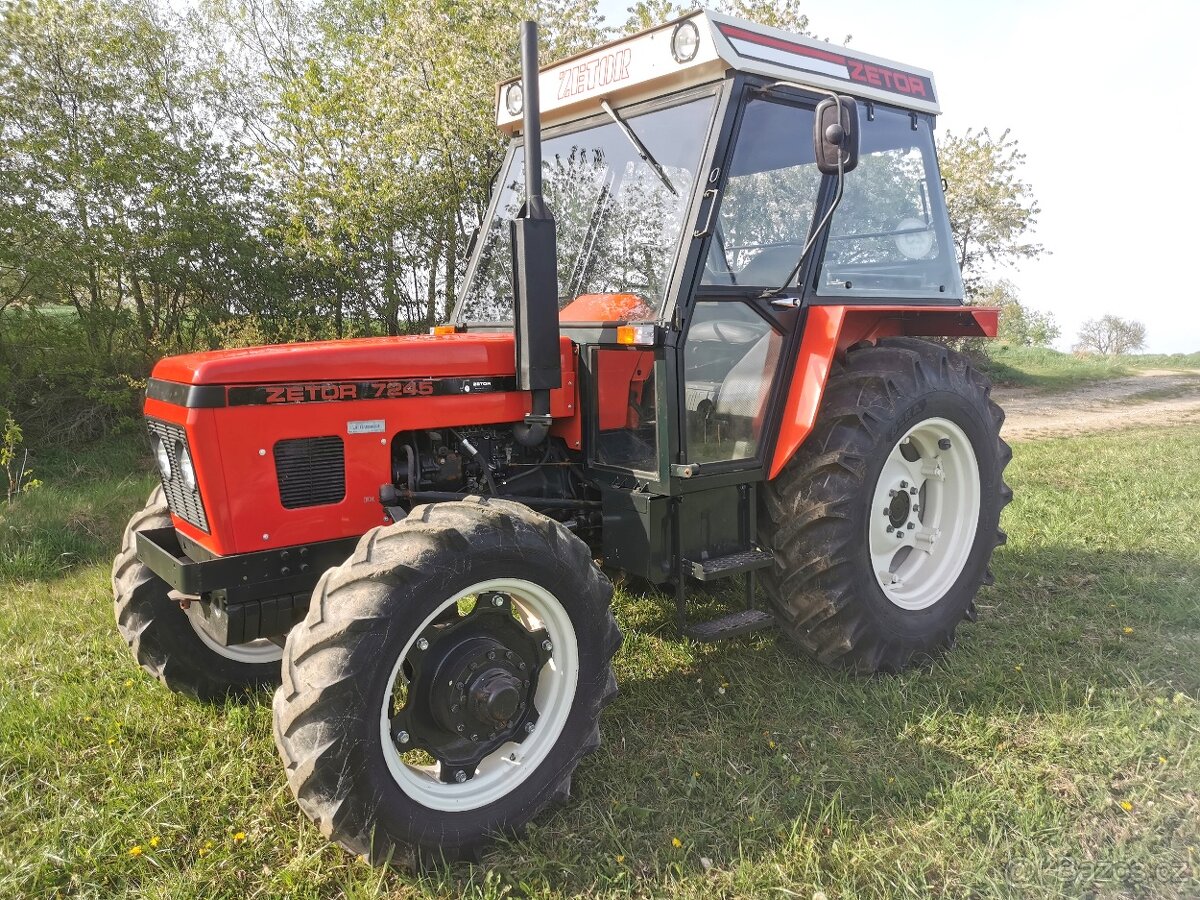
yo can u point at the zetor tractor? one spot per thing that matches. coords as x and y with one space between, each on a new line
690 347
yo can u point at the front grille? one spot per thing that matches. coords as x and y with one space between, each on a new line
310 471
184 503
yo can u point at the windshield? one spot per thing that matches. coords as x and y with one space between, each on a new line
618 221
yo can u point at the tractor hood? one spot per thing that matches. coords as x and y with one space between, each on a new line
411 356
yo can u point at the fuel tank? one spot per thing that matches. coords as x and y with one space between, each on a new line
290 444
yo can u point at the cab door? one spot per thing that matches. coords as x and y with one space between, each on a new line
746 311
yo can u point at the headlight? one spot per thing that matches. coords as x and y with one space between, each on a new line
163 456
685 41
514 99
187 472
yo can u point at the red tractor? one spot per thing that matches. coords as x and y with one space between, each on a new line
707 363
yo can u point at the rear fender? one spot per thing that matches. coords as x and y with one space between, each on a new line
829 330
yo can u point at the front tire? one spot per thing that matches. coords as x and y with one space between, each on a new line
163 638
446 682
884 522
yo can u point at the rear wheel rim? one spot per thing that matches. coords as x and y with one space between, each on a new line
432 783
924 514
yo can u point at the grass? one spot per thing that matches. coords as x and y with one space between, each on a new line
1054 753
1051 370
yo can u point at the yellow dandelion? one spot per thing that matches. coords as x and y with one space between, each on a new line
135 850
620 857
239 837
111 741
676 843
203 851
1162 760
771 744
1127 630
155 841
87 718
749 818
1016 668
128 682
1127 806
208 845
695 774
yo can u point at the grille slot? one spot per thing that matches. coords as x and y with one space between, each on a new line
310 471
184 503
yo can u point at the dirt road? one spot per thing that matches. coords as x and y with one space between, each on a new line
1152 397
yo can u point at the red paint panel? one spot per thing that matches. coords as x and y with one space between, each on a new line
829 329
606 308
233 447
417 355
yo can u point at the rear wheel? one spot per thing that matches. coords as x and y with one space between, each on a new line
165 640
447 681
884 522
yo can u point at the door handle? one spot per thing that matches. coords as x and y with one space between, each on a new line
711 194
786 302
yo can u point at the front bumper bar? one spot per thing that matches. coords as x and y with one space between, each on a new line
248 595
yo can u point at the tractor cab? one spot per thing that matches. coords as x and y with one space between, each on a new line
699 223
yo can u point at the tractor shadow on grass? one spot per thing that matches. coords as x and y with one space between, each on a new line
743 749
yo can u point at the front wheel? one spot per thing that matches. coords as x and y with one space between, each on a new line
446 682
166 641
884 522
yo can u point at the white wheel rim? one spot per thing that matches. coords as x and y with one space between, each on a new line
255 652
499 773
924 514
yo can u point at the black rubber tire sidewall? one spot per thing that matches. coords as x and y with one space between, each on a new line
945 613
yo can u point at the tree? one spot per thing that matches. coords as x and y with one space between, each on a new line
785 14
992 211
1018 323
1111 336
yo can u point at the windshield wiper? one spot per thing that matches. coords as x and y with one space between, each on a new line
642 149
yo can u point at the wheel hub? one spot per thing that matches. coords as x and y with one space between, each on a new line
899 509
471 687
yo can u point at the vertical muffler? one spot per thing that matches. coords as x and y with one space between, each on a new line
535 266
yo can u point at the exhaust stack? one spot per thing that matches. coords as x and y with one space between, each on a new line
535 266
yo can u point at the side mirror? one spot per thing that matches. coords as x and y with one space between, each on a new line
835 133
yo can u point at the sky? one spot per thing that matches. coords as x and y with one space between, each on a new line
1094 92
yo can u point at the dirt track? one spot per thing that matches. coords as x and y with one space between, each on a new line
1153 397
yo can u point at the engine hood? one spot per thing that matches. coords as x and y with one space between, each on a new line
411 356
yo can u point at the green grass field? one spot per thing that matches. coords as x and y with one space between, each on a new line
1048 369
1054 753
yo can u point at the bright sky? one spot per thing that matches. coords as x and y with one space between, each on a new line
1092 90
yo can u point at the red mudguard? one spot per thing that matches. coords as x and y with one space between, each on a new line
829 329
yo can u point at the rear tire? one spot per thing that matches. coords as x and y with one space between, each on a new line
365 720
161 635
903 424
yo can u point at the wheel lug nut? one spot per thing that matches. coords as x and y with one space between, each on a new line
497 600
912 490
904 484
529 728
887 512
547 646
422 644
521 665
460 686
891 493
460 727
475 737
460 776
916 508
491 654
453 707
899 534
890 529
911 526
944 444
402 737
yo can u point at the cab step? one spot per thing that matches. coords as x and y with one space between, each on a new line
730 626
727 566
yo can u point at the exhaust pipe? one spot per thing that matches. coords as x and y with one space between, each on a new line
535 267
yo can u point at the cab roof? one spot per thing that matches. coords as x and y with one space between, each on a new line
645 65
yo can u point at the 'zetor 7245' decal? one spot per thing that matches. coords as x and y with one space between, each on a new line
391 389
